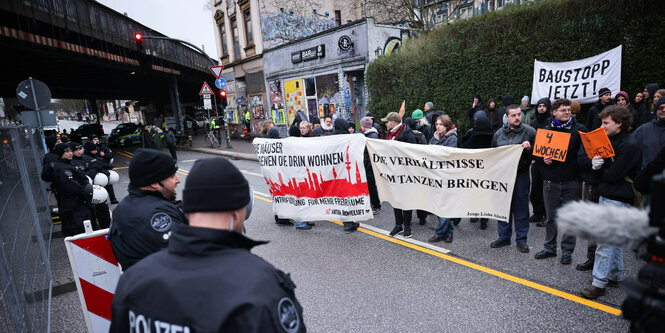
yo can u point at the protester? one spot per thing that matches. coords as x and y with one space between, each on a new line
542 119
421 139
651 135
208 280
516 133
143 220
505 102
604 100
326 127
367 128
575 108
400 132
622 99
492 114
528 112
476 106
342 127
480 136
306 129
422 124
614 190
561 181
429 112
445 135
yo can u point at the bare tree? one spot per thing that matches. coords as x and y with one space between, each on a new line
418 14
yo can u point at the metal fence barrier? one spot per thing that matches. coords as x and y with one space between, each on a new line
25 234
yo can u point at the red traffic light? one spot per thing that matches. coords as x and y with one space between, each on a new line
222 93
138 37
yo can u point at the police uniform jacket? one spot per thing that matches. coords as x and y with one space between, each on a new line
95 165
142 225
70 183
47 166
207 281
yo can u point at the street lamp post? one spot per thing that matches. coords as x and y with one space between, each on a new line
212 62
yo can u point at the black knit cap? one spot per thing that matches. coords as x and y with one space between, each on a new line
75 145
61 148
215 185
150 166
90 146
50 141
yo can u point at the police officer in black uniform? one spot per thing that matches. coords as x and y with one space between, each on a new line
91 166
106 154
71 184
143 220
208 280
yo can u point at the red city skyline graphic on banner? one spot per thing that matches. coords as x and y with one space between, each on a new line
313 186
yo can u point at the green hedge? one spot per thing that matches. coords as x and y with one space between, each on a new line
492 54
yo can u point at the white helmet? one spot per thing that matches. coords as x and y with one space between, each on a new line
89 180
113 177
101 179
111 161
99 194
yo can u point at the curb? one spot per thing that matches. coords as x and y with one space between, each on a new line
228 154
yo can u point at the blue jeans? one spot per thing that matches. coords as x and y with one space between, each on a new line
445 227
608 263
519 212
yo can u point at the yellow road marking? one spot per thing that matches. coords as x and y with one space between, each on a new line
123 154
487 270
118 168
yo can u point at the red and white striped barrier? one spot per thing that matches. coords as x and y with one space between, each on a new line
96 273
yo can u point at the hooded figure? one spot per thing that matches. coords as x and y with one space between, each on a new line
420 136
492 114
542 119
341 126
481 136
505 102
472 110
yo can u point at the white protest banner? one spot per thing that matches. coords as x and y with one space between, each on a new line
319 178
578 80
445 181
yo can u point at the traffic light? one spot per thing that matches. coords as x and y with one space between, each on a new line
222 94
138 37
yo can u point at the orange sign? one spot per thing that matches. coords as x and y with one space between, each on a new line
402 109
596 143
551 143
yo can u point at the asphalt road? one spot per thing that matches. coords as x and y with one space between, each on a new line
369 282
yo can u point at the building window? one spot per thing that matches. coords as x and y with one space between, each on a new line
236 42
338 17
222 34
248 28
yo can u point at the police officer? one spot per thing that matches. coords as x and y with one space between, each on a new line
49 158
91 166
208 280
71 184
106 154
143 220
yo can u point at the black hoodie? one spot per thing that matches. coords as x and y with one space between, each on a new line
542 119
505 102
341 126
481 136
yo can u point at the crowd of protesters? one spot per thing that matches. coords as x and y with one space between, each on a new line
636 130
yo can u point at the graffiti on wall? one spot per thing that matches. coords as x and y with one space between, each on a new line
279 28
392 44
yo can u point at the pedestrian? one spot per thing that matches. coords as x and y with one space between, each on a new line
400 132
248 120
143 220
492 114
169 139
542 119
326 127
429 112
516 133
475 107
561 181
615 189
651 135
604 100
528 112
505 102
367 129
421 139
648 112
208 279
157 139
304 130
639 105
479 137
73 192
146 139
445 135
342 127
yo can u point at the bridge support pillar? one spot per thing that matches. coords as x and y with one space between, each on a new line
175 103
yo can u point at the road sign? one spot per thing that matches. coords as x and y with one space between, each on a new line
216 70
207 103
33 94
220 83
205 89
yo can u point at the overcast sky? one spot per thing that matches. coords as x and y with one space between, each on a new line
189 20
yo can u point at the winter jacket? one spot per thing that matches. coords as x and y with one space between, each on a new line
569 169
505 102
480 135
626 162
592 120
651 137
507 136
207 281
528 114
404 134
449 139
341 126
323 131
540 120
472 110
